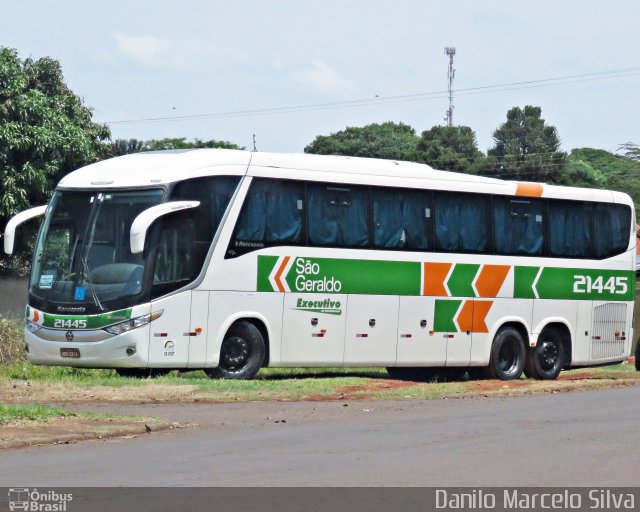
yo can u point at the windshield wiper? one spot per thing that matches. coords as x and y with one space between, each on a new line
94 295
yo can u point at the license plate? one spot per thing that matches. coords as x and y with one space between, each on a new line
73 353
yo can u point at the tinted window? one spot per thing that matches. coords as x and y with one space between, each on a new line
612 229
518 226
214 195
272 213
570 229
338 215
462 222
401 219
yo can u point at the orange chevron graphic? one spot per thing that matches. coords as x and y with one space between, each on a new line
490 280
472 316
480 311
465 317
276 278
433 276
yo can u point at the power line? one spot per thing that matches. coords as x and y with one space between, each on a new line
423 96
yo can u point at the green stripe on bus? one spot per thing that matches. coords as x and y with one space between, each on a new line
328 275
89 321
376 277
574 283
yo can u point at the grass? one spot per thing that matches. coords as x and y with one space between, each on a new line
26 383
10 413
21 381
11 341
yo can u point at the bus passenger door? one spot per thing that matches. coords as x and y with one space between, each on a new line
198 333
372 330
452 320
169 334
313 329
418 343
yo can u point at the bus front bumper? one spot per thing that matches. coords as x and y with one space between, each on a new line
51 347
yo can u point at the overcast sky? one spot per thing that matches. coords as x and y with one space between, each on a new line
133 60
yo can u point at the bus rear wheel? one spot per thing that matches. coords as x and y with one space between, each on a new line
546 359
241 354
507 355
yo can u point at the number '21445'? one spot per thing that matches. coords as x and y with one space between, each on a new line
586 284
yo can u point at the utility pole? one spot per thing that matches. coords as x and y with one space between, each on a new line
450 51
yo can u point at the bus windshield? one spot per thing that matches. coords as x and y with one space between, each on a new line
83 255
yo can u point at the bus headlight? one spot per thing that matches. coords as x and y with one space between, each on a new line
134 323
31 326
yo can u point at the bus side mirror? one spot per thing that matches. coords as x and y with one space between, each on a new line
144 220
12 225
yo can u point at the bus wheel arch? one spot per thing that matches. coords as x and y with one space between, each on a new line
508 352
551 354
243 350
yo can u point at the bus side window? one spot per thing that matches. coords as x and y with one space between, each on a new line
570 229
214 194
401 219
612 229
519 226
462 222
272 214
338 216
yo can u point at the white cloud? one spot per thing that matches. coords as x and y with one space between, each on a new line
322 77
187 54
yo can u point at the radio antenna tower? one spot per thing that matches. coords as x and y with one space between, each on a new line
450 51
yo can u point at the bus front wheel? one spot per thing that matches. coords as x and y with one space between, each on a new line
507 355
241 354
546 359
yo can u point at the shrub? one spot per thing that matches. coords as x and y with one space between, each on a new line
11 341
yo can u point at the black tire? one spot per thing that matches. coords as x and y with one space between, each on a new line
547 358
637 354
507 355
142 373
415 374
241 354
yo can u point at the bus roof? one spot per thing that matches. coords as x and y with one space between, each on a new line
162 167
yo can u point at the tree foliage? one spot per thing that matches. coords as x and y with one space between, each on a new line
126 146
45 131
393 141
631 151
449 148
618 172
525 148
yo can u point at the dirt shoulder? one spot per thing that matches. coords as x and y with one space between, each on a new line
71 429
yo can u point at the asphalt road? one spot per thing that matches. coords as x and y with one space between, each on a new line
566 439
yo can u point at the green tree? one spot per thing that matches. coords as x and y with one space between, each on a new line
618 172
45 131
126 146
394 141
631 150
449 148
526 148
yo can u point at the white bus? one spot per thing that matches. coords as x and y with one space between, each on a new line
230 261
